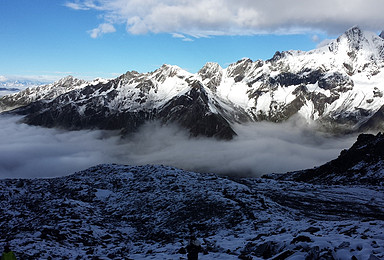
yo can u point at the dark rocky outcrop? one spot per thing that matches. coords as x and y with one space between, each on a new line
363 163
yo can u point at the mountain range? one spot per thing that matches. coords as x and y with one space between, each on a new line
11 86
337 87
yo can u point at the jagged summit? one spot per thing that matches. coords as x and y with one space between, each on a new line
168 71
354 35
211 75
239 69
210 67
356 41
67 78
69 81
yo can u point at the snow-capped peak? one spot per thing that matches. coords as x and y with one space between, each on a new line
238 69
355 40
67 78
355 37
69 81
169 71
211 75
210 68
99 81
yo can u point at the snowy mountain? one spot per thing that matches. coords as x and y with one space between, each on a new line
337 87
11 86
169 94
37 93
149 212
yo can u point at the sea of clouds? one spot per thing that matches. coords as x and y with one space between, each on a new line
31 151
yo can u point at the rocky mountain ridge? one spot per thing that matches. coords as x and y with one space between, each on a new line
338 87
361 164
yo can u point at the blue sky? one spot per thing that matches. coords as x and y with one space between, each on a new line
104 38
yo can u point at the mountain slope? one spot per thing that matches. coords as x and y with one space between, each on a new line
338 87
148 212
363 163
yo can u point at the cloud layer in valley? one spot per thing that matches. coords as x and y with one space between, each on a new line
201 18
29 151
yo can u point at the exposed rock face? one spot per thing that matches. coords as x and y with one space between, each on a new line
338 86
192 111
211 75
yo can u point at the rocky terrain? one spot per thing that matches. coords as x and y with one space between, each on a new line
361 164
338 87
149 212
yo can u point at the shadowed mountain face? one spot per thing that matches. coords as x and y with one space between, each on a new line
337 86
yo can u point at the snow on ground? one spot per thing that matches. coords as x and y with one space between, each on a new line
149 212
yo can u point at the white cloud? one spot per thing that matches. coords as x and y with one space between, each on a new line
84 5
236 17
102 29
258 149
29 151
40 152
3 78
76 6
182 37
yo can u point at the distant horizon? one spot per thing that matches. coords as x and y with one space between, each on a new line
44 79
48 40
